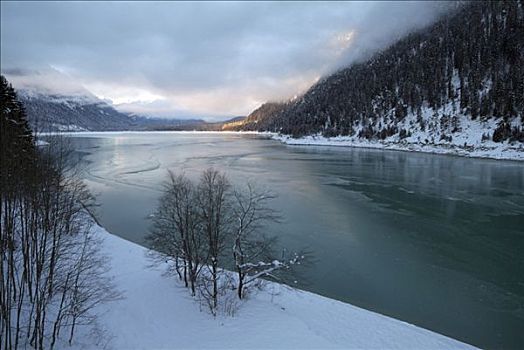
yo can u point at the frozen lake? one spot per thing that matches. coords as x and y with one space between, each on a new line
437 241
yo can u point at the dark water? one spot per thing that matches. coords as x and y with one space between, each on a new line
433 240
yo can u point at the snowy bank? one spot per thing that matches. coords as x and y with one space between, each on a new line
485 150
475 146
157 312
442 131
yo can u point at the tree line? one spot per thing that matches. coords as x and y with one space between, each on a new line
52 272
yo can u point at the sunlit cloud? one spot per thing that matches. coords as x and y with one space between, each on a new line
123 94
194 58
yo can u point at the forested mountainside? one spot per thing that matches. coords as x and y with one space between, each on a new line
464 72
86 113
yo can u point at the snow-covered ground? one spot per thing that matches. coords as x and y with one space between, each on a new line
156 312
486 150
435 137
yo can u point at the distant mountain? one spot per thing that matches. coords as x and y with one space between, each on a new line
459 79
51 112
260 119
71 113
145 123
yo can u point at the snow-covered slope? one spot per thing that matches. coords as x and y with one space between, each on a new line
52 112
158 313
471 137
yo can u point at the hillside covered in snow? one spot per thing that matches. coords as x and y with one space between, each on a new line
458 84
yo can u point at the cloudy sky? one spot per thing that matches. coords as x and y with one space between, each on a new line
194 59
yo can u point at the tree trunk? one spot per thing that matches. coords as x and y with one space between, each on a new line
240 283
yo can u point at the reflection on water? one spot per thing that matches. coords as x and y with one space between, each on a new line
432 240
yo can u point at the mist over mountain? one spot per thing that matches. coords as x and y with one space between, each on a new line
54 112
210 59
462 75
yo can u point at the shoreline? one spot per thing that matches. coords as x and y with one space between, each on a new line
312 320
112 132
494 151
507 153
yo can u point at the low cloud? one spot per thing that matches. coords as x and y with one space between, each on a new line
196 59
45 80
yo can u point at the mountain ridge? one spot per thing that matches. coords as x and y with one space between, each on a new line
463 72
56 112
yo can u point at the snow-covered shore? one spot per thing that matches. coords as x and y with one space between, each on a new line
442 131
475 147
157 312
503 151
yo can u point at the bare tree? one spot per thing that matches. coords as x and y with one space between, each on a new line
251 212
214 210
204 228
52 271
190 228
176 233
